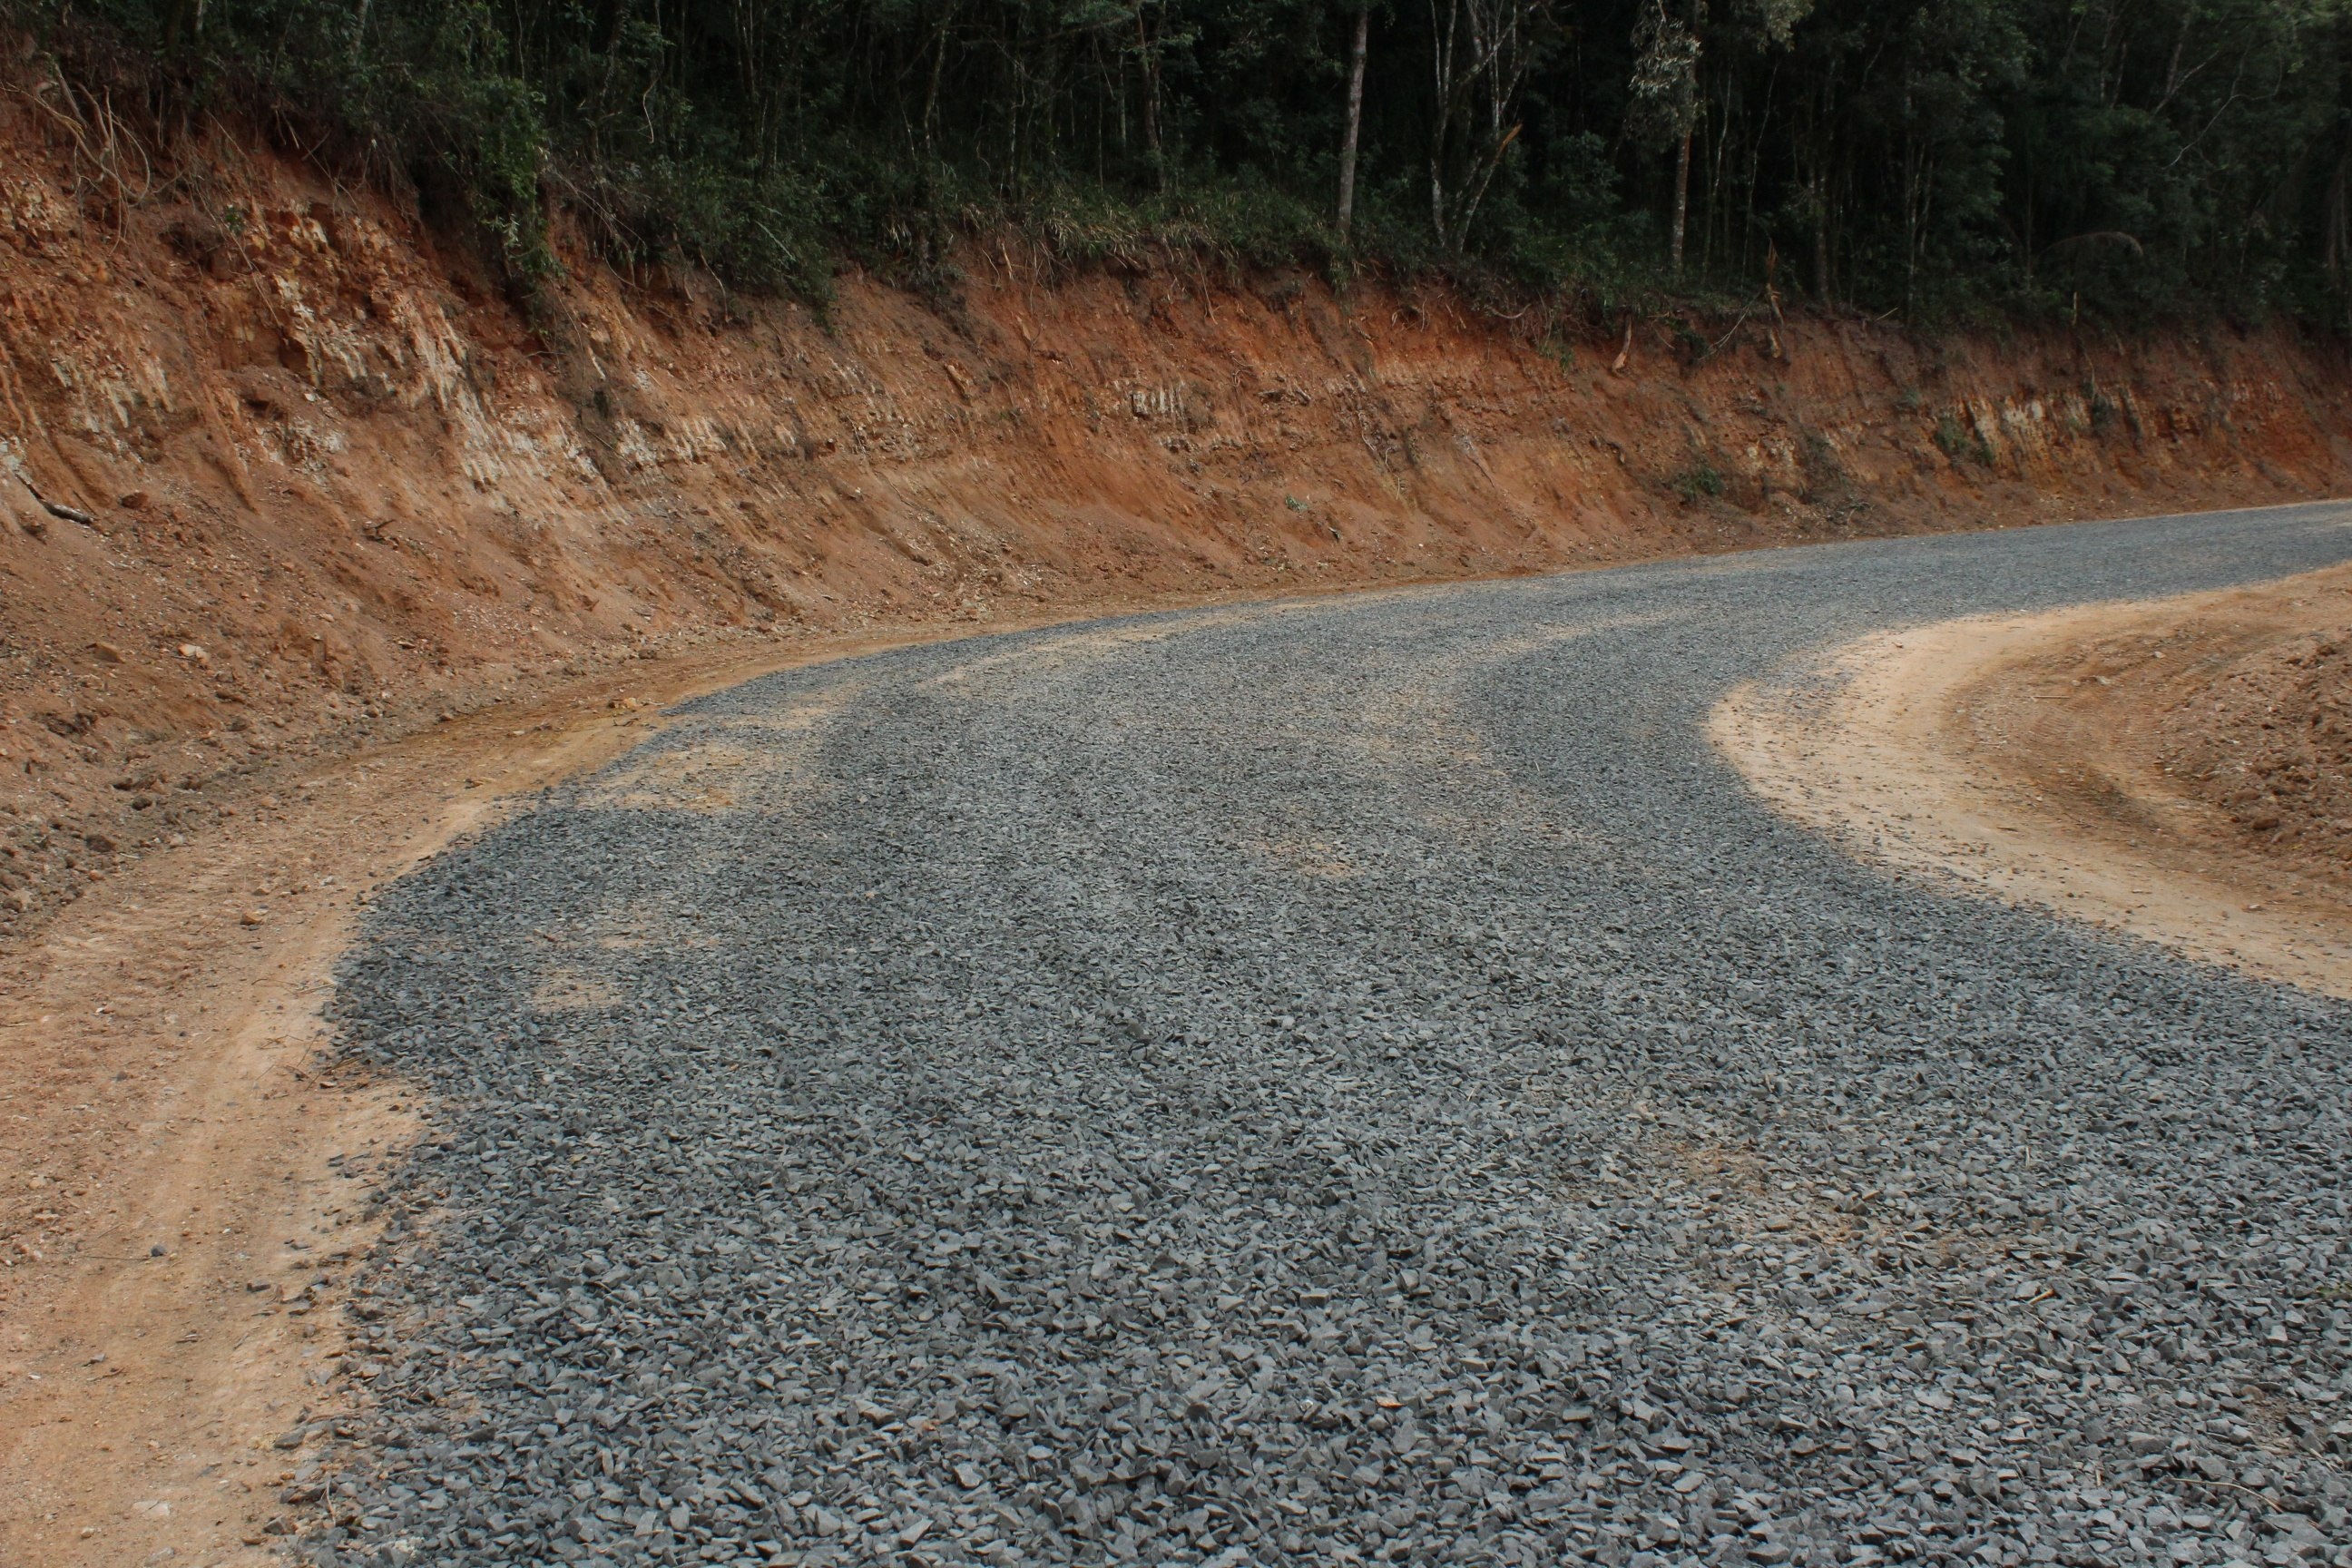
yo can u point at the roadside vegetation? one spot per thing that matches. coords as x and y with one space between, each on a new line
1946 160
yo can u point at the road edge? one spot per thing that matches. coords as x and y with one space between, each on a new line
1866 746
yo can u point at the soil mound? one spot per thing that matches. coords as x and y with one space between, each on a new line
2178 768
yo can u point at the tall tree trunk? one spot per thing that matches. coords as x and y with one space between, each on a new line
1821 239
1446 102
1150 102
1355 122
1694 14
931 93
1682 201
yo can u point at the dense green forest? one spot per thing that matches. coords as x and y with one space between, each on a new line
1939 158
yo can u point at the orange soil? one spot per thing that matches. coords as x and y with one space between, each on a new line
2179 769
337 485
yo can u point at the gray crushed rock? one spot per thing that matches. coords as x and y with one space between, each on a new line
1350 1081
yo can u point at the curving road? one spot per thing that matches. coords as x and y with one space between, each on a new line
1334 1081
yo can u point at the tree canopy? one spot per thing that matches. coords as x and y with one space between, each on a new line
1935 157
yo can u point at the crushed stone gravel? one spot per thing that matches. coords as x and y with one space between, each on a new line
1348 1080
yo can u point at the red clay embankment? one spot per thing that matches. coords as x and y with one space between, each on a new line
337 485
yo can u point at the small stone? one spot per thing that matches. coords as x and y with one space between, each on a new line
105 653
253 917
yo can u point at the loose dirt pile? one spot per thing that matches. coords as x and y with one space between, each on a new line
2222 722
2248 706
2182 769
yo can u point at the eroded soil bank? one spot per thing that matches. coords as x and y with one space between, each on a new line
337 484
2182 769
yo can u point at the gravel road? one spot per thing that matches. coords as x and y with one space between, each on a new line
1342 1080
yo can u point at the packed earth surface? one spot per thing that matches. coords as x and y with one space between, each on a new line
2175 767
1340 1081
2245 704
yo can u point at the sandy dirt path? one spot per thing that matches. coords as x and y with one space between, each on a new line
1987 752
186 1179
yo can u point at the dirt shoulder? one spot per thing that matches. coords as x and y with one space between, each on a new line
186 1180
2180 769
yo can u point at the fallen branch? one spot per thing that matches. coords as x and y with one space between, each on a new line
58 508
